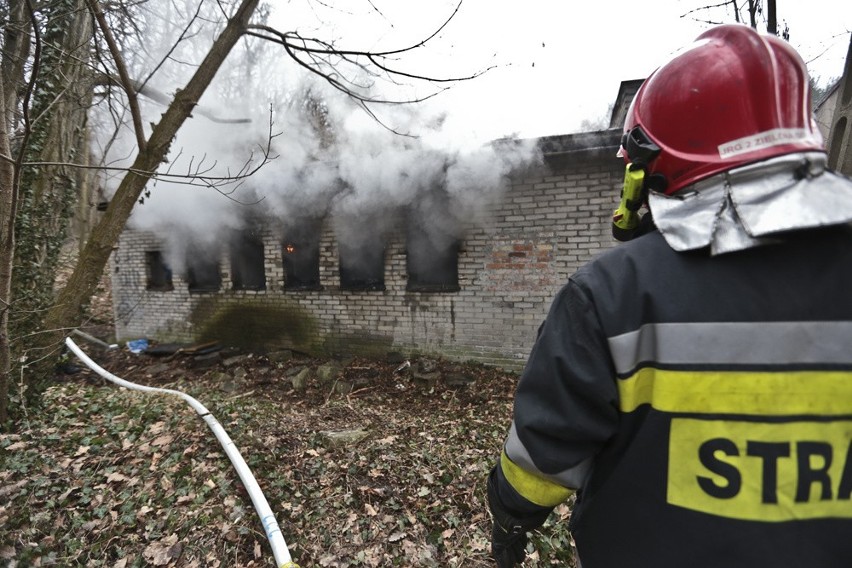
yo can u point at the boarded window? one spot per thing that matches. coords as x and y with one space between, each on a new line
158 273
247 268
202 270
300 254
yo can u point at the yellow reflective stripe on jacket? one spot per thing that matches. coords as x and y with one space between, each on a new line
782 393
532 487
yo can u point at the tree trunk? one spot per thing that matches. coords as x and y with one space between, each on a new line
736 11
67 311
752 13
771 18
46 193
7 255
16 49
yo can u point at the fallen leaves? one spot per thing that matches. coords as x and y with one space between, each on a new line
16 446
163 552
125 480
162 441
144 510
116 477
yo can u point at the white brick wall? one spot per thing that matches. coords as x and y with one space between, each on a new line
548 224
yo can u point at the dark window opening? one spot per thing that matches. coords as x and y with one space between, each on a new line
432 261
158 273
202 271
247 268
362 268
300 253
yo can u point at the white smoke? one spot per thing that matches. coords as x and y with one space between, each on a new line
360 167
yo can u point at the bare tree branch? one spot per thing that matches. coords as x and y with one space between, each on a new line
183 35
314 55
66 312
163 99
95 8
712 6
196 174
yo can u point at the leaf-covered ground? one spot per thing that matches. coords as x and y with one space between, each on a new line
104 476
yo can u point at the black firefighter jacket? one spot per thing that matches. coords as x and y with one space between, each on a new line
701 406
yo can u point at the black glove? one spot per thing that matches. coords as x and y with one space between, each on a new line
508 533
508 548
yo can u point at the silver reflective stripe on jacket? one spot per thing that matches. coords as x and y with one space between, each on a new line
756 343
572 478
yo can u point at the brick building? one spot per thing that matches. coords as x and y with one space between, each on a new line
480 297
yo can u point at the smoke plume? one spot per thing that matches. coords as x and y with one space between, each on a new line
316 152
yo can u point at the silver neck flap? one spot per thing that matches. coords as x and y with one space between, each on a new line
749 206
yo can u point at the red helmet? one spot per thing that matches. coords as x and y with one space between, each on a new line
731 98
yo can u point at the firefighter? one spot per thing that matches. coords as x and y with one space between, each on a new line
693 386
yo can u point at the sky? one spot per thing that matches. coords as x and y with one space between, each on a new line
552 63
549 66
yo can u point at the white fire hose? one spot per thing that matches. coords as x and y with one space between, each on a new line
267 518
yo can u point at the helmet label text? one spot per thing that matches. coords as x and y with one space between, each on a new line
762 140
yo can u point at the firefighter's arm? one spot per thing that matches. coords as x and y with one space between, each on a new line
529 491
565 410
513 516
520 502
566 403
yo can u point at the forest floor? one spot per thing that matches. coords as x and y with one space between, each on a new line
105 476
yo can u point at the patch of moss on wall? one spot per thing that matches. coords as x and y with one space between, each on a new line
251 325
254 324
